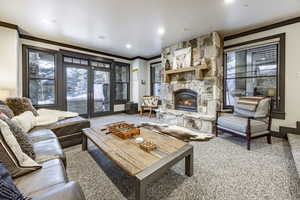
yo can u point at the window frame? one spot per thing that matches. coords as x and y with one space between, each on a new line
281 52
26 76
123 101
151 77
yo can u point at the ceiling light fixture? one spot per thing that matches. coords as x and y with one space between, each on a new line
229 1
101 37
161 31
128 46
46 21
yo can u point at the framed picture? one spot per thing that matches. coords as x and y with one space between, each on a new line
182 58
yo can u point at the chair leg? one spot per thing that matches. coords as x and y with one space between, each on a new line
269 139
150 113
248 143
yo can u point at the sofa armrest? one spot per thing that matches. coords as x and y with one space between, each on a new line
69 191
225 111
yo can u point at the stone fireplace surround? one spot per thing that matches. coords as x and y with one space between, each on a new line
209 90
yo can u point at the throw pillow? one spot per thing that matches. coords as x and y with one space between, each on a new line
7 111
20 105
11 154
2 102
8 190
26 121
23 139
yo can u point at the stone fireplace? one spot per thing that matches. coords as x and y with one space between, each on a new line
185 99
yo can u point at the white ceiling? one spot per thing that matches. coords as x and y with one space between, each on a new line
81 22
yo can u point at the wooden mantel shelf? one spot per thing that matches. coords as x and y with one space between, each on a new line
197 69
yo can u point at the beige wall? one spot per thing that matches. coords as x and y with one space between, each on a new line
292 77
9 60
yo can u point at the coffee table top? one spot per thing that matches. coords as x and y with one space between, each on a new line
127 154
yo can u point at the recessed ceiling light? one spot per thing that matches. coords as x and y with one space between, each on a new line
128 46
161 31
229 1
46 21
101 37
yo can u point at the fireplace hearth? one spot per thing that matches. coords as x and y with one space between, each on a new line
186 100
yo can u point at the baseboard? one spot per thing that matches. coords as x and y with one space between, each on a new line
277 134
285 130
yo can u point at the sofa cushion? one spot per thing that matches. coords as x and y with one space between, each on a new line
11 154
51 174
69 191
20 104
37 135
239 124
7 111
48 150
26 121
22 138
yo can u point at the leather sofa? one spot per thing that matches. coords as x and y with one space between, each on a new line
51 181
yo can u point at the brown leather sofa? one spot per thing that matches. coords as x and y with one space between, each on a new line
51 181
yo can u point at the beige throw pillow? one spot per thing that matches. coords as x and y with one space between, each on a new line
26 121
11 154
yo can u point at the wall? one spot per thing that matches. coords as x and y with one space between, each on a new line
292 76
140 71
9 59
55 47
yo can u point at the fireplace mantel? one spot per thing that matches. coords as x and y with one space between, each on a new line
199 72
186 114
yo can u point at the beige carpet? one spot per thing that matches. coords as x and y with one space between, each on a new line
223 170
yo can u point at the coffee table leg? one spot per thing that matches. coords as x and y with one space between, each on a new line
84 142
189 166
140 190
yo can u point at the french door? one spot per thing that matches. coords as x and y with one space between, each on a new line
88 88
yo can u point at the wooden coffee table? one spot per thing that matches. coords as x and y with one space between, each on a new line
144 166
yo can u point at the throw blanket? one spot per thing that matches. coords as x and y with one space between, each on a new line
182 133
47 117
249 103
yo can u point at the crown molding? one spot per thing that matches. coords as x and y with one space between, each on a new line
263 28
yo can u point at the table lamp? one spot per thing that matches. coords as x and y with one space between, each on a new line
271 92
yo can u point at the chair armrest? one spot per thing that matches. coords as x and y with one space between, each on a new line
69 191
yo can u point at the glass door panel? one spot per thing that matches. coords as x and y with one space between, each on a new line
101 91
77 89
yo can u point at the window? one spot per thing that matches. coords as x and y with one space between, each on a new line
41 77
122 82
156 78
256 70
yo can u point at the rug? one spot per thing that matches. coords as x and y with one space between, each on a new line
223 170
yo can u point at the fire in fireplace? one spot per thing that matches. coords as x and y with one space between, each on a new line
186 100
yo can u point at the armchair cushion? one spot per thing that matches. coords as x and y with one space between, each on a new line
239 125
261 111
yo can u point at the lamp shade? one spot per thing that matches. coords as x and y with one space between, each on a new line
271 92
4 93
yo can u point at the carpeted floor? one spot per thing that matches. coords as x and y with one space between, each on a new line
223 170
